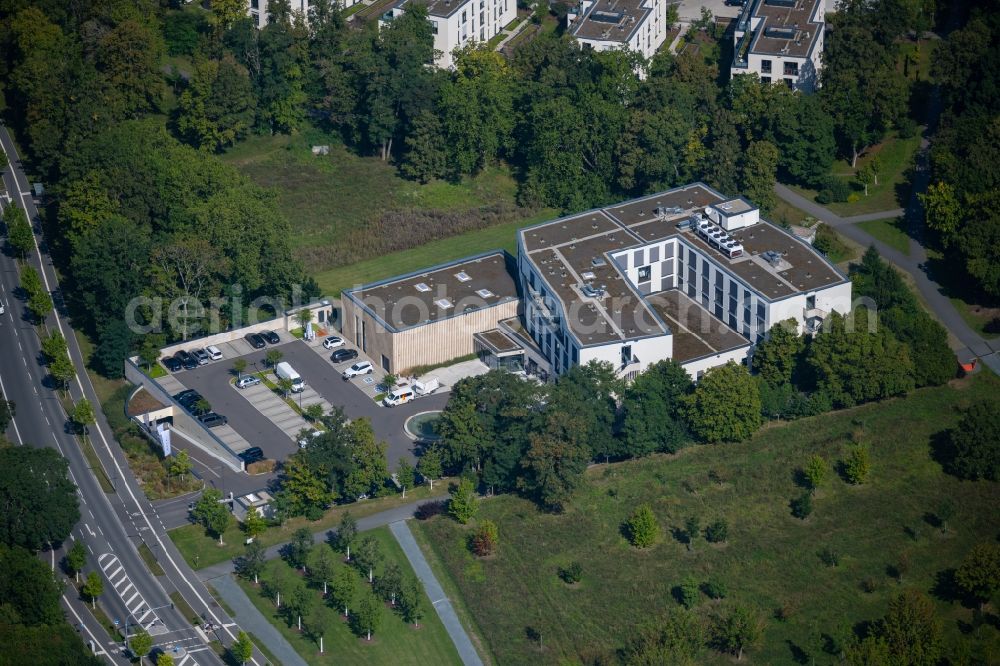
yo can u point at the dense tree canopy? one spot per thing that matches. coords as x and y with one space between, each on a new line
38 500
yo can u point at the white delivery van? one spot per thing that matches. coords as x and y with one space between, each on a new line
426 385
398 396
286 371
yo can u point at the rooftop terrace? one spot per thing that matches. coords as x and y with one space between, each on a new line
610 20
787 27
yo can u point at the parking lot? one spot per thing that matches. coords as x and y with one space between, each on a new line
259 417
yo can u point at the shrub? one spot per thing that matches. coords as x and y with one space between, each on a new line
857 465
463 504
973 446
485 539
869 585
717 532
802 506
834 190
571 573
715 589
815 472
428 510
642 528
689 592
907 127
829 557
261 467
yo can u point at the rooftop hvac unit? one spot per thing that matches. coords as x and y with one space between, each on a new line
597 262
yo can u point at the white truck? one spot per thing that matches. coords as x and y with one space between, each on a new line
285 371
426 385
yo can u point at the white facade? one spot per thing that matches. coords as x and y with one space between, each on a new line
781 41
457 23
257 9
637 25
730 294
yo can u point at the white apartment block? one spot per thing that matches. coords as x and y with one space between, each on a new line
781 41
636 25
686 274
258 9
458 23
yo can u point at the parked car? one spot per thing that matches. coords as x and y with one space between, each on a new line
214 352
333 342
359 368
271 337
212 420
247 380
189 362
255 340
172 363
200 355
251 455
342 355
184 394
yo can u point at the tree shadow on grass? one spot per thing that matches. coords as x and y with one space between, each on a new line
799 656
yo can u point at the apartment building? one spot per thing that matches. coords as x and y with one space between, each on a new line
458 23
781 41
258 9
686 274
636 25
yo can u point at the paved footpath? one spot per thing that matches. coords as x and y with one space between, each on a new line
915 263
367 523
441 603
252 620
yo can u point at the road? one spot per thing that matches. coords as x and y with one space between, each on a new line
112 525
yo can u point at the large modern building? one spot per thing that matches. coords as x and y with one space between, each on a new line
687 274
781 41
458 23
605 25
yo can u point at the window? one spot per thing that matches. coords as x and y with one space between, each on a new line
645 272
811 302
765 79
765 66
791 69
434 27
626 354
385 362
462 276
484 293
422 287
465 19
254 4
789 83
443 303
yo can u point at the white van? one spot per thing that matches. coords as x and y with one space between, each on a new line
398 396
285 371
426 385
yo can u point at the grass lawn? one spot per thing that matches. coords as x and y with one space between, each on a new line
502 236
979 318
896 156
771 559
784 212
201 550
395 642
890 231
334 202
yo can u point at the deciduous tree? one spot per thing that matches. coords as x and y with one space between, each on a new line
738 629
464 503
642 528
39 501
979 573
725 405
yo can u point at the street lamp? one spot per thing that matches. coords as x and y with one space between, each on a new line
170 605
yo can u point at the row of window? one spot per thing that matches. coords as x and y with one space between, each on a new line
790 68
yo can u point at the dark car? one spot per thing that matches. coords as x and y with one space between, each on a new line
211 420
253 454
271 337
189 362
172 363
342 355
184 394
256 340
